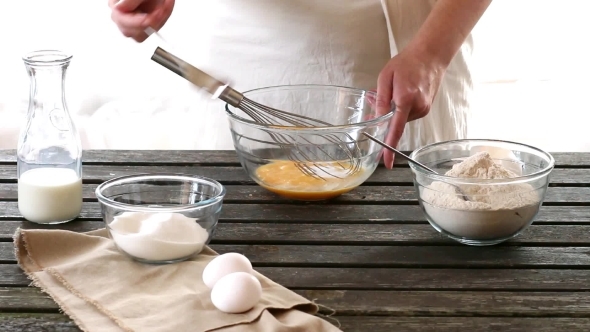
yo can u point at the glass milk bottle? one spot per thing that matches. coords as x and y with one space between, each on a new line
49 152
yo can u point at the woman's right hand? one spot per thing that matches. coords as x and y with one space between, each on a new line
134 16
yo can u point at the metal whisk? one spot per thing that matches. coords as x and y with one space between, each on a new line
306 160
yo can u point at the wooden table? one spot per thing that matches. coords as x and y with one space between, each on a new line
369 254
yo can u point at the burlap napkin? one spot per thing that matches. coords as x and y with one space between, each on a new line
103 290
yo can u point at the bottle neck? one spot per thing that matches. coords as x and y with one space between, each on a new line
49 136
47 87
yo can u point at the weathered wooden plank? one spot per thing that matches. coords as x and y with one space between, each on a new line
453 324
390 234
397 194
397 278
163 157
360 195
229 157
299 233
571 158
429 279
322 213
255 193
9 191
26 298
398 256
158 157
100 173
398 303
36 323
565 176
155 157
237 175
406 256
223 174
567 195
426 303
60 323
255 212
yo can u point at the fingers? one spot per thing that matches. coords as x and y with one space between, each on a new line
126 5
157 18
130 24
384 92
134 16
129 21
403 97
396 129
411 104
160 15
410 84
372 98
383 104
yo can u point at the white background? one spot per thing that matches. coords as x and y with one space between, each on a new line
531 65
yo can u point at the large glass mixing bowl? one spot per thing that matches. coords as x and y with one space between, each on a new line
278 156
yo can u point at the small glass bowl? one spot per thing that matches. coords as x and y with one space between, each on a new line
498 209
161 218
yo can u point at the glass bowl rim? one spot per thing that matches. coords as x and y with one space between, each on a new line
130 179
455 180
279 128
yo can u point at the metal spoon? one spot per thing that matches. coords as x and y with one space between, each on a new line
415 162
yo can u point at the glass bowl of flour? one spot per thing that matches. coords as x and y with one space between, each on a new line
160 218
486 191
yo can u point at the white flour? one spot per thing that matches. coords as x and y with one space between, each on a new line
492 212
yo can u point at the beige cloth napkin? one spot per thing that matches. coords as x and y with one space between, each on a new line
103 290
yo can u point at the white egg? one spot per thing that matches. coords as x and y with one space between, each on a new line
223 265
236 292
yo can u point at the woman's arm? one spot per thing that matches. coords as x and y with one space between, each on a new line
446 28
411 79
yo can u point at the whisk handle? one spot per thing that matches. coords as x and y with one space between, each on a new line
230 96
197 77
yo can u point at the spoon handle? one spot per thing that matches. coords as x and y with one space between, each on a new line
385 145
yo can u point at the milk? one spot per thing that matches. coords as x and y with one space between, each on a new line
49 195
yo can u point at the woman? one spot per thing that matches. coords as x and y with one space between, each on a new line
414 52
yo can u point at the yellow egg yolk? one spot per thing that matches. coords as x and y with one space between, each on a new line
284 178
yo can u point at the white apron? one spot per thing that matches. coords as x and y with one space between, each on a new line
259 43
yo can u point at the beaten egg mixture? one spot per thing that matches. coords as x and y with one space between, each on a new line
284 178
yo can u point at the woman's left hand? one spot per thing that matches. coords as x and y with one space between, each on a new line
411 80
